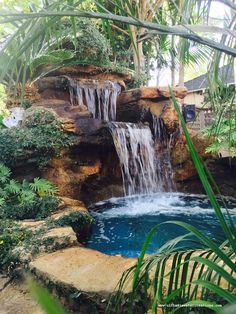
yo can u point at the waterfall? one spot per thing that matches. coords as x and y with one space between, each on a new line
135 149
162 143
144 155
99 97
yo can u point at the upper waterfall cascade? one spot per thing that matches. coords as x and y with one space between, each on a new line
98 96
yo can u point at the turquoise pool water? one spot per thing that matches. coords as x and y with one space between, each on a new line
122 224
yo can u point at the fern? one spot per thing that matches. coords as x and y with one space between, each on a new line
25 200
5 173
43 187
13 187
3 193
2 202
26 196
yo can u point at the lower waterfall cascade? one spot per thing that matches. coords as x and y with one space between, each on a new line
100 101
162 143
135 149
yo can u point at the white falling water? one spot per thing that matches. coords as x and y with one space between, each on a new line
100 101
135 149
163 142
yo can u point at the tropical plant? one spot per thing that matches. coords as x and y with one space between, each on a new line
11 235
25 200
224 135
47 23
143 10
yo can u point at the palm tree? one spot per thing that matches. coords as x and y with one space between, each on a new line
36 29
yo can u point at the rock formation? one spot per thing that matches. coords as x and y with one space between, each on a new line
91 166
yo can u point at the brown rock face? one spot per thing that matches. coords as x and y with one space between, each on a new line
150 93
137 105
181 157
91 72
170 117
63 109
84 171
31 95
57 87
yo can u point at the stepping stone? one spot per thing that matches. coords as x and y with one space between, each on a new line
87 271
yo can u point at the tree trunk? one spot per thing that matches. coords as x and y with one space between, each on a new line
181 74
141 58
172 62
158 66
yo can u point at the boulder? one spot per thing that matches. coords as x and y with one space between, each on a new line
66 201
68 226
67 211
154 93
31 224
63 109
181 159
170 117
70 173
139 104
57 87
91 276
62 237
90 72
181 154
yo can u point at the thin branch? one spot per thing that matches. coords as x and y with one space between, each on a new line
119 29
228 3
193 28
123 19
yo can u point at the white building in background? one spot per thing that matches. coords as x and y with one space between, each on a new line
197 91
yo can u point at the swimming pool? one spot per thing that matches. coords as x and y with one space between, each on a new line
122 224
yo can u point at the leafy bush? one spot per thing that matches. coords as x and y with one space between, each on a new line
11 235
224 134
138 80
76 220
25 200
221 99
39 207
91 45
18 244
40 138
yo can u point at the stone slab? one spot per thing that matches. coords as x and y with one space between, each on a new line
84 269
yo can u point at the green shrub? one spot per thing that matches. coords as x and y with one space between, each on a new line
11 236
76 220
18 244
40 207
26 104
91 45
25 200
224 134
40 138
